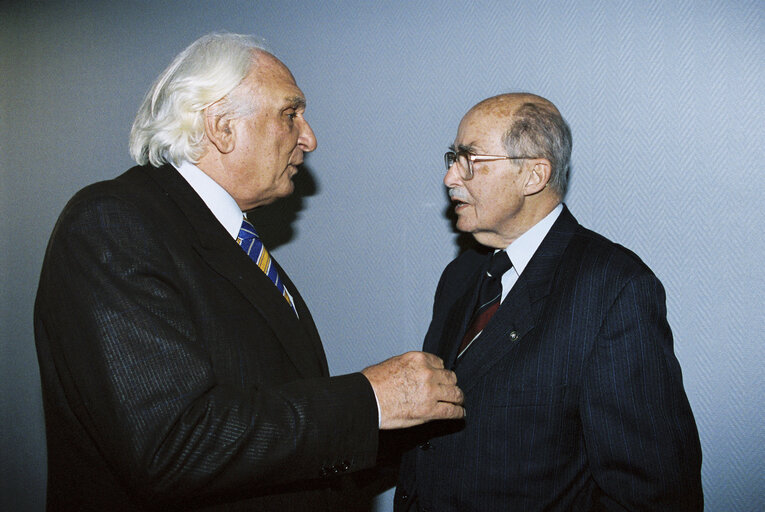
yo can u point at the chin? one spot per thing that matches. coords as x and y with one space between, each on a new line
287 189
464 225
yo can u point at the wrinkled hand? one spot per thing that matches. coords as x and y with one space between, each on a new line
414 388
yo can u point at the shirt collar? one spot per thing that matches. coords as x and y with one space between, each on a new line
523 248
220 202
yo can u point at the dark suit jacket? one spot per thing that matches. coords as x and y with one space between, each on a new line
174 374
573 395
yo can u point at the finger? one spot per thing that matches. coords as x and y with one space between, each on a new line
447 411
451 394
445 377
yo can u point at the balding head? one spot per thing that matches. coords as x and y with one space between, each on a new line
534 128
508 166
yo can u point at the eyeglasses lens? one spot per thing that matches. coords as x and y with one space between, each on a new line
463 162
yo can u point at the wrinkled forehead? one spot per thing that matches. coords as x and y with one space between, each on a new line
270 78
268 68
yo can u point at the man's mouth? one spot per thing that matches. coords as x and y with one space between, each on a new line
458 205
455 195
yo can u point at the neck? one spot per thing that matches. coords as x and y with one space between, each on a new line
213 163
531 213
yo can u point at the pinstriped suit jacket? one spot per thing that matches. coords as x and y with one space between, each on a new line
174 374
574 397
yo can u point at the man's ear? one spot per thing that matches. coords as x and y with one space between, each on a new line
538 177
219 131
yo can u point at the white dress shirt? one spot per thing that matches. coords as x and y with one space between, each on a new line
523 248
220 202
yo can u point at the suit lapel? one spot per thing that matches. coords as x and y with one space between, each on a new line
306 320
521 309
508 326
298 337
458 319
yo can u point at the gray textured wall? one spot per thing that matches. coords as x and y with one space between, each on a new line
665 99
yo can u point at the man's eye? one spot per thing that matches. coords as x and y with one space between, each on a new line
291 115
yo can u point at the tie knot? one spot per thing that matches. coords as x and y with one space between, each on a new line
500 263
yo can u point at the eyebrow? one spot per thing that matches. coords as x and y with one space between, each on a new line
462 148
296 102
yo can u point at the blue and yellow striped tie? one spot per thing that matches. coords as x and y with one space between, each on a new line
249 240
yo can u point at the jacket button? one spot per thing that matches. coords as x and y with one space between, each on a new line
404 497
325 471
514 335
426 446
345 465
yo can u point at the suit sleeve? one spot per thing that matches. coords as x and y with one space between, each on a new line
140 379
640 435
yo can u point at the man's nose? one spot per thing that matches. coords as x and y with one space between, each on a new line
307 139
452 178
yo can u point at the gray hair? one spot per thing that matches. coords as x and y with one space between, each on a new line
540 131
169 126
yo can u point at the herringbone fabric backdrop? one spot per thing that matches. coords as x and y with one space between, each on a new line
665 100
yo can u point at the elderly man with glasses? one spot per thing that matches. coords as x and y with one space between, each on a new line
574 398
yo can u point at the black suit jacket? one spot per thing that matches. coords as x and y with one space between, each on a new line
174 374
574 397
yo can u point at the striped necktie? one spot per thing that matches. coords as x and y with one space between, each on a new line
249 240
488 297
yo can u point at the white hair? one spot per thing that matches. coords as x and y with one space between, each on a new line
169 126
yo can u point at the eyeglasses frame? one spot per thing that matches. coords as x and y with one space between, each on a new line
472 158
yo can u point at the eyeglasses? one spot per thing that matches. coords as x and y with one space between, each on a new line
465 161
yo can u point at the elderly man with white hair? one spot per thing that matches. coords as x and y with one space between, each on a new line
181 368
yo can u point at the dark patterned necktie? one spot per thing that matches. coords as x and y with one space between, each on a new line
249 240
488 297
